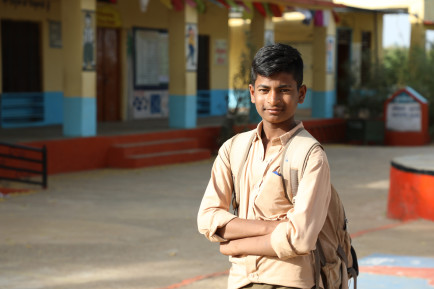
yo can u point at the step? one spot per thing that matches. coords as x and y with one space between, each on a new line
157 146
164 158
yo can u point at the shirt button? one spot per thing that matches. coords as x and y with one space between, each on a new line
254 276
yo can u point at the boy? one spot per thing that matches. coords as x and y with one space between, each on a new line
271 239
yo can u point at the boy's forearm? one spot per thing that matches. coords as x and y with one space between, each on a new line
241 228
260 246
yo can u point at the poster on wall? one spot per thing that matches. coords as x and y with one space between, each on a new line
191 39
330 54
55 34
89 45
151 59
269 37
150 104
221 52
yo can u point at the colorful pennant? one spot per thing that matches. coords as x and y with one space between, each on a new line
217 3
178 5
275 10
260 8
201 7
191 3
167 3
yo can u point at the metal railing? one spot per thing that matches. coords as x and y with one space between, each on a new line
17 166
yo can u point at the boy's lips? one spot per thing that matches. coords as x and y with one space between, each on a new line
273 109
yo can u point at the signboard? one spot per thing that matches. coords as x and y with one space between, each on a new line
108 16
404 114
221 52
330 54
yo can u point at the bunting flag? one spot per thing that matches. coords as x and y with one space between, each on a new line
258 6
248 9
178 5
307 15
191 3
167 3
217 3
267 9
321 18
224 3
232 3
336 16
201 7
242 4
275 10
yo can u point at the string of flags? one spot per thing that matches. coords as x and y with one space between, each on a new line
319 17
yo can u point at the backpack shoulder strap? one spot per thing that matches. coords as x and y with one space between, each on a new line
240 147
293 163
294 159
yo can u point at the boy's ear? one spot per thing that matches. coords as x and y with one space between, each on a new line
252 93
302 93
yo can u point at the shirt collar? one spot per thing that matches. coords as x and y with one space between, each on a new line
284 138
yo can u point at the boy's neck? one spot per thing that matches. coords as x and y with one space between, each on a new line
271 131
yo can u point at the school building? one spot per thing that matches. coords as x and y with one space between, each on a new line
77 63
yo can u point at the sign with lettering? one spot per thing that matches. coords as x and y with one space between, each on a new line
221 52
35 4
404 114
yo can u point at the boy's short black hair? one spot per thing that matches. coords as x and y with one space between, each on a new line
272 59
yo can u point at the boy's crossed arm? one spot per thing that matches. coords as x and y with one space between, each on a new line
247 237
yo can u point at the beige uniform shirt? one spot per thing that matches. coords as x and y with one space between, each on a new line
262 197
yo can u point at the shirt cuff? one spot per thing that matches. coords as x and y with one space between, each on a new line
280 242
223 219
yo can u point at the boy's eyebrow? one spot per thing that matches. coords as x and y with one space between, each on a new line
280 86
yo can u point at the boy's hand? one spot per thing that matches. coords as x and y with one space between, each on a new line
241 228
260 246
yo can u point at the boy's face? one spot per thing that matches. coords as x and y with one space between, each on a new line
276 98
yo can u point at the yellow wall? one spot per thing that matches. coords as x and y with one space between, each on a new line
215 24
155 16
300 36
52 58
237 47
293 31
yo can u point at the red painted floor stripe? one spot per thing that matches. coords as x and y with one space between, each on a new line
195 279
424 273
385 227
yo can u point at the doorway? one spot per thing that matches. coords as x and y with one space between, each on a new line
21 56
108 75
343 65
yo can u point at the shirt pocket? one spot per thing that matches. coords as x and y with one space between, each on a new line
272 202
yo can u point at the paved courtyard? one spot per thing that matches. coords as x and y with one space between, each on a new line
136 228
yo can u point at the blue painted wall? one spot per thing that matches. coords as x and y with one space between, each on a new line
219 102
323 103
27 109
182 111
79 116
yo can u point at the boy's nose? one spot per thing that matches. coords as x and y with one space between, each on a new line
273 97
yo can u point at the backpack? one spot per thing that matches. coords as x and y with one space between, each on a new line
335 257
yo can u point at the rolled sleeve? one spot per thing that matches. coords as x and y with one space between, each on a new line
214 208
298 236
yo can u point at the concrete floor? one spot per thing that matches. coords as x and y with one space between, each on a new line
136 228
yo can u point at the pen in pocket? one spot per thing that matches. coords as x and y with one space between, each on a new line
277 173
